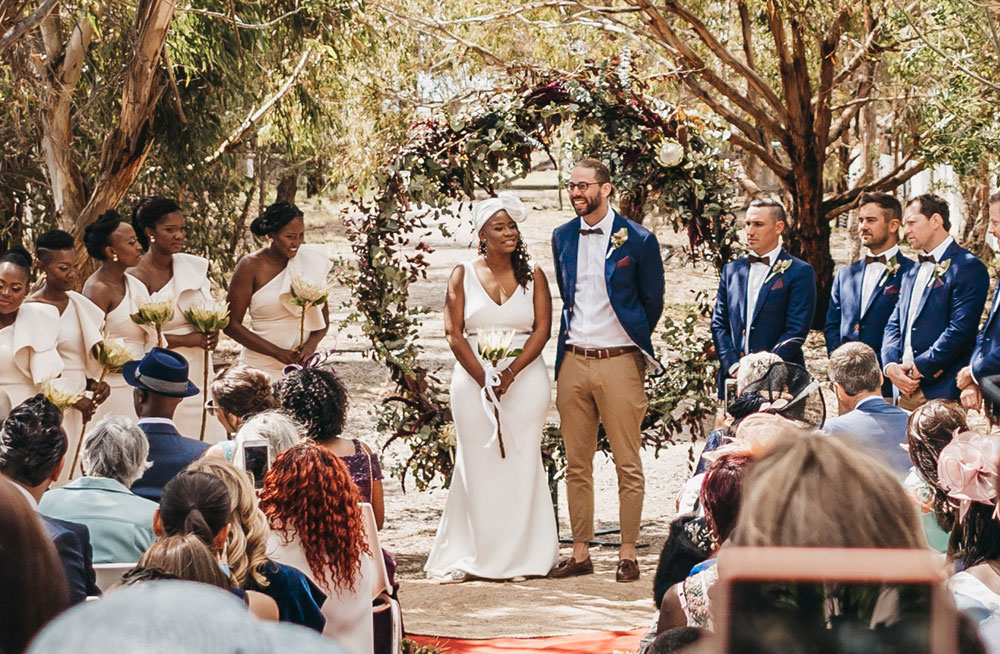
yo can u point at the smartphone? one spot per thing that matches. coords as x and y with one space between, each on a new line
256 460
780 599
729 393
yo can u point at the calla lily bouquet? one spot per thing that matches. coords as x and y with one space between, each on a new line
207 317
57 391
495 345
112 354
157 311
306 294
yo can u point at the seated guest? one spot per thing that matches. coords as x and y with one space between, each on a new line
675 641
929 430
238 393
274 427
185 557
160 382
32 451
865 416
198 503
317 398
120 522
313 509
31 576
299 600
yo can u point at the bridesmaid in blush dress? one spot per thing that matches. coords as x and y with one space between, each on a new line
498 522
80 325
159 226
112 241
261 285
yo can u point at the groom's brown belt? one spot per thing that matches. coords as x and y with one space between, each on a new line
601 353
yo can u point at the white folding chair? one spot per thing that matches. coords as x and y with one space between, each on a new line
381 588
109 574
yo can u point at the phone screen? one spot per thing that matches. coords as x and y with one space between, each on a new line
255 462
729 394
777 617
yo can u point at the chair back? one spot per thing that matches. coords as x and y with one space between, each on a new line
380 582
109 574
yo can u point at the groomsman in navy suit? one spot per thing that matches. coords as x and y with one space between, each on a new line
986 356
864 293
932 331
766 300
610 277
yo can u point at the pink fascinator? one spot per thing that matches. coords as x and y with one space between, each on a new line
967 469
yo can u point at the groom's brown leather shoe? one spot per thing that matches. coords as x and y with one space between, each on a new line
572 568
628 570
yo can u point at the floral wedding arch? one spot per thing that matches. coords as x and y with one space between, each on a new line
661 159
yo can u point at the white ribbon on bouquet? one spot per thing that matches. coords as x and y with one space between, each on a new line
491 403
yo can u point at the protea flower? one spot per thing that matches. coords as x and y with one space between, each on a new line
670 153
157 310
58 391
207 317
306 294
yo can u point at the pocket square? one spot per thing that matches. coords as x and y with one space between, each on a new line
892 290
624 261
778 285
938 283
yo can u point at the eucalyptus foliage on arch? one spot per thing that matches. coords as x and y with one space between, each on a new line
661 159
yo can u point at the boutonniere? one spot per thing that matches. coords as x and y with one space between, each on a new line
777 269
939 270
891 268
618 239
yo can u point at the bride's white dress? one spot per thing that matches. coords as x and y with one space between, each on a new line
498 522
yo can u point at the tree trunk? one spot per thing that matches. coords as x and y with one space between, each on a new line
809 238
975 194
288 187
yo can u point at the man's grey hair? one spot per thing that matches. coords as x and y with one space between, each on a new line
855 367
116 448
280 431
753 368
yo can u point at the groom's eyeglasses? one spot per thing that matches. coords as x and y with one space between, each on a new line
581 186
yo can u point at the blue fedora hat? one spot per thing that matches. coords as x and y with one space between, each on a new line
161 371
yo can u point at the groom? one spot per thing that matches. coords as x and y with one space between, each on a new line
610 277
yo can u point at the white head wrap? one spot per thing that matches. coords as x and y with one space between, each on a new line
504 201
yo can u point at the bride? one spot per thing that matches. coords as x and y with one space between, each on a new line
498 522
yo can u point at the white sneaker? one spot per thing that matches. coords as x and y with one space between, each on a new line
456 576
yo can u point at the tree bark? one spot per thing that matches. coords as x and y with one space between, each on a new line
288 187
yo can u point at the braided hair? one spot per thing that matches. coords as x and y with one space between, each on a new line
316 398
97 235
929 429
519 261
147 213
243 391
32 441
194 503
977 537
274 218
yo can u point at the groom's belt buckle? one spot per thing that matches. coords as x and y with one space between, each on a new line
601 353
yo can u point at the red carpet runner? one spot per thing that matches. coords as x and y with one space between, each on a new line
601 642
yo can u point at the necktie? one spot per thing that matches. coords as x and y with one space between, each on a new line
870 259
926 258
755 259
588 232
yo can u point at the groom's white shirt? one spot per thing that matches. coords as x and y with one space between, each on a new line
593 322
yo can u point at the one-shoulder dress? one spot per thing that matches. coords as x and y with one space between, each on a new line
28 354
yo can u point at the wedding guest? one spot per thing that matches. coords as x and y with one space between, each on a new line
112 241
864 294
198 503
865 417
80 325
313 509
262 285
32 579
239 392
120 522
32 451
985 359
275 428
164 269
161 381
298 599
929 430
766 300
28 331
932 331
610 277
184 556
316 398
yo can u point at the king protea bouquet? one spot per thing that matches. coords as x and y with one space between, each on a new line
112 354
494 346
57 391
157 311
305 294
208 318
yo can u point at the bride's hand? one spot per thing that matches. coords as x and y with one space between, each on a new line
506 378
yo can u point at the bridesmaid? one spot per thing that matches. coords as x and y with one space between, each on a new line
261 284
80 325
112 241
159 226
28 332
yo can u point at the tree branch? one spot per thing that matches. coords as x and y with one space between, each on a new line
241 24
25 25
821 102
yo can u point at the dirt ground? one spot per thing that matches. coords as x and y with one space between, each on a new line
539 606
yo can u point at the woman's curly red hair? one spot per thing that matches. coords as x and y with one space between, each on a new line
308 492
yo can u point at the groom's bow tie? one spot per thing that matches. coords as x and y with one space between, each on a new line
869 259
755 259
588 232
926 258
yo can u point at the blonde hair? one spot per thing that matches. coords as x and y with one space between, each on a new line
246 545
822 491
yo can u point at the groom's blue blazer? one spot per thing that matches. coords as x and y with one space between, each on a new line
634 275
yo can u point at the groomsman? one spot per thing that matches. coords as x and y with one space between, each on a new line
610 277
986 356
864 293
932 331
766 300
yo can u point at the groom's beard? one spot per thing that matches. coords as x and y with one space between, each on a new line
593 204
